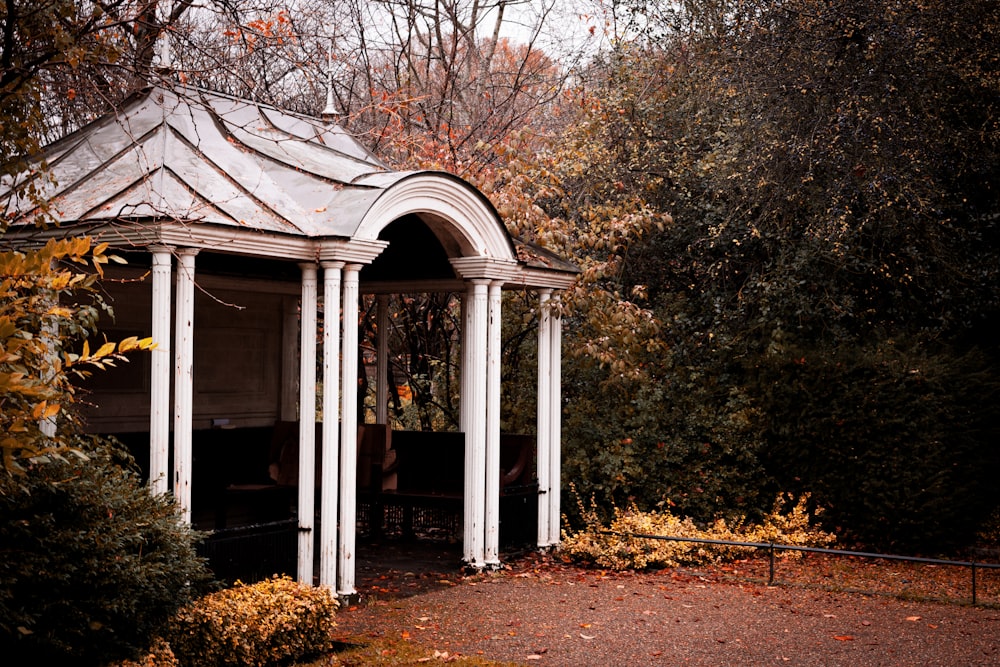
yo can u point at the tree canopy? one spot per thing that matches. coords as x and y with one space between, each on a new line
830 271
786 215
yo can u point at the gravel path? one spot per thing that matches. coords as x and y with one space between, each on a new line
542 612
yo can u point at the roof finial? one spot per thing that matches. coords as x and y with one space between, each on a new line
330 113
164 54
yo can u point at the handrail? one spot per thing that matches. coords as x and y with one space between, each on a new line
772 547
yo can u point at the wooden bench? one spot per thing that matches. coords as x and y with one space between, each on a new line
428 499
410 483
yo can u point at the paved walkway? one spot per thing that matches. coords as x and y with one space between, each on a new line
540 612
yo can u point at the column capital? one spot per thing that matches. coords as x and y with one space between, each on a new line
332 265
187 252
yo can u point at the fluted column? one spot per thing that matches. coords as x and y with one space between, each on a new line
307 424
329 488
475 435
382 387
184 380
159 373
555 422
346 555
465 418
290 333
492 501
543 433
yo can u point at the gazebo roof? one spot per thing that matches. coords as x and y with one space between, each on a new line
183 165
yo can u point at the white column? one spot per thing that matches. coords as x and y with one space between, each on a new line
543 431
307 424
555 423
329 488
184 380
290 359
382 387
50 339
346 556
159 374
492 546
465 419
475 438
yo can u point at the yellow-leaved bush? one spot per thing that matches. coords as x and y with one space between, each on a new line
159 655
275 621
617 546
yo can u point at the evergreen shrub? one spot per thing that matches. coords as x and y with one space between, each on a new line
93 565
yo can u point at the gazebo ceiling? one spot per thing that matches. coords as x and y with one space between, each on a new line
188 167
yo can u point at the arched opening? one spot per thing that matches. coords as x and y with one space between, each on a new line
414 253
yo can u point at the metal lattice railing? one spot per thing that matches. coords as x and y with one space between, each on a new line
772 548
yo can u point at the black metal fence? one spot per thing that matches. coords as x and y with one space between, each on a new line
252 553
771 548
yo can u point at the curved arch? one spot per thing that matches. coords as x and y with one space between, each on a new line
450 206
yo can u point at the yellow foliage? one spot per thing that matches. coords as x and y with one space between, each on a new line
271 622
35 389
159 655
625 543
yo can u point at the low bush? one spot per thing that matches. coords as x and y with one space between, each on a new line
272 622
614 546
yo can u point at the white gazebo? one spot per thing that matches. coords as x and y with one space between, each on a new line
238 218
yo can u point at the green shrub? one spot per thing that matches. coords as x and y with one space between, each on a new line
275 621
788 523
629 442
897 442
93 565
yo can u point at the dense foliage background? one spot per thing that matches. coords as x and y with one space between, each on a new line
785 214
827 290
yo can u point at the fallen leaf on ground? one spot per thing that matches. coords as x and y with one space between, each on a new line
913 619
844 638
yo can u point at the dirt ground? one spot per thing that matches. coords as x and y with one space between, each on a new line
539 610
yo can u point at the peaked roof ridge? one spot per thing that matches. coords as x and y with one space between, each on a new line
56 155
154 157
369 158
240 187
293 126
114 164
